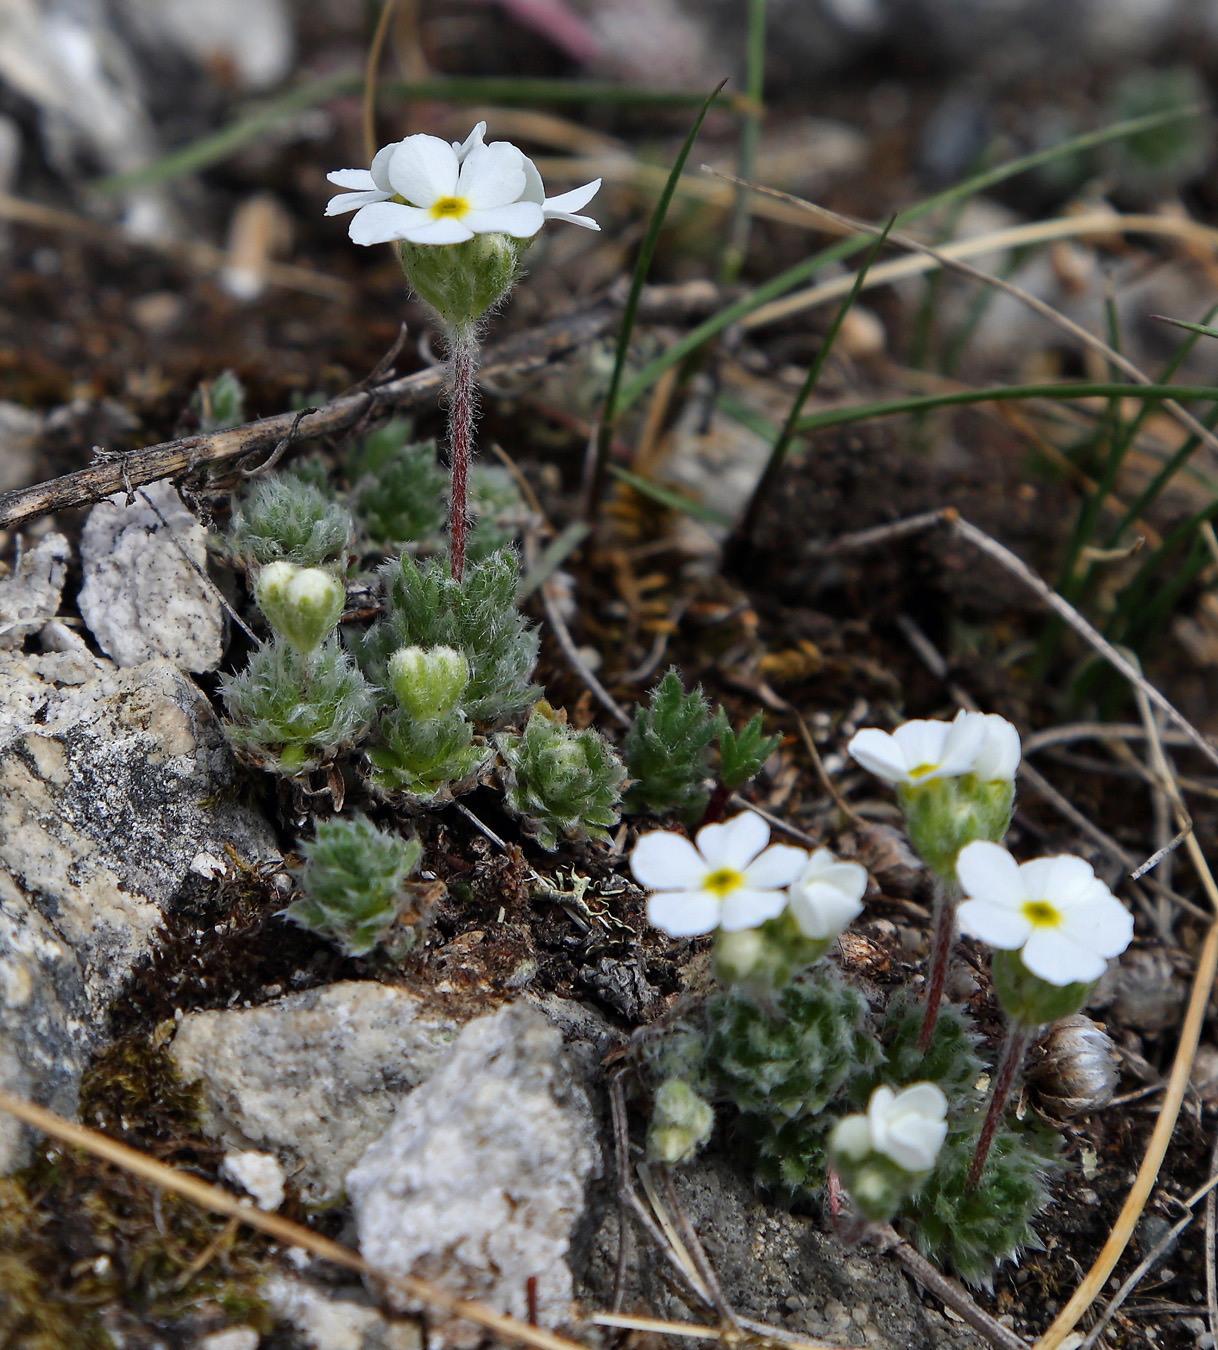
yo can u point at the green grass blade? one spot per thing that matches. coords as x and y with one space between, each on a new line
809 267
666 497
1201 329
641 267
736 243
787 435
252 124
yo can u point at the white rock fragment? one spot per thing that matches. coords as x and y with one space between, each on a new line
259 1174
232 1338
313 1077
479 1181
339 1319
29 598
110 783
208 866
142 598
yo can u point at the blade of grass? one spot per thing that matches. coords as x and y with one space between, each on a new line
641 267
809 267
668 498
371 66
253 123
742 535
736 244
1200 329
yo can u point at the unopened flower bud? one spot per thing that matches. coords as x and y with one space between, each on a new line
427 682
681 1123
768 956
302 604
1075 1071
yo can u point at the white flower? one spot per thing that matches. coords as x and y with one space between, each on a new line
918 751
429 191
729 880
908 1127
827 895
1064 922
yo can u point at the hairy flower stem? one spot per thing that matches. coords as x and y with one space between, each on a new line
462 359
941 947
1016 1046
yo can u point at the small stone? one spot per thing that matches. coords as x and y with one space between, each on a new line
259 1174
314 1077
29 599
143 595
478 1184
1147 994
207 866
19 431
234 1338
337 1319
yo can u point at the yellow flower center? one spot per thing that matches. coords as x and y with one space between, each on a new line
449 206
922 770
723 882
1041 914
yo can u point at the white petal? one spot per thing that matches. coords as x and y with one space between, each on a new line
423 168
380 167
1049 954
988 872
492 175
534 189
998 757
353 201
360 179
683 913
821 909
878 1109
849 878
996 925
521 220
735 843
779 865
879 753
474 138
384 221
747 908
571 201
851 1137
923 742
444 230
925 1099
965 741
914 1142
1099 922
586 221
665 861
1062 880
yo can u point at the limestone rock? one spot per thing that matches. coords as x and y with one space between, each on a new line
259 1174
111 782
339 1319
29 599
142 598
313 1077
480 1180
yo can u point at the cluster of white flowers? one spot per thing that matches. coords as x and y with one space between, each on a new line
982 744
729 879
428 191
1060 917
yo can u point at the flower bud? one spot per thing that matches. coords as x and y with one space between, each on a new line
681 1123
302 604
768 956
427 682
462 281
1075 1071
942 815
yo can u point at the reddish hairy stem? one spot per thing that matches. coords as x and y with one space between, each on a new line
1013 1052
941 948
463 348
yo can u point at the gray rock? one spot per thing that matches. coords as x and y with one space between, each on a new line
314 1077
111 783
338 1319
29 598
142 597
19 431
480 1181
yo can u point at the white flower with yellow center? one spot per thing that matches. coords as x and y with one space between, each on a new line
428 191
827 895
726 879
917 752
1060 917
